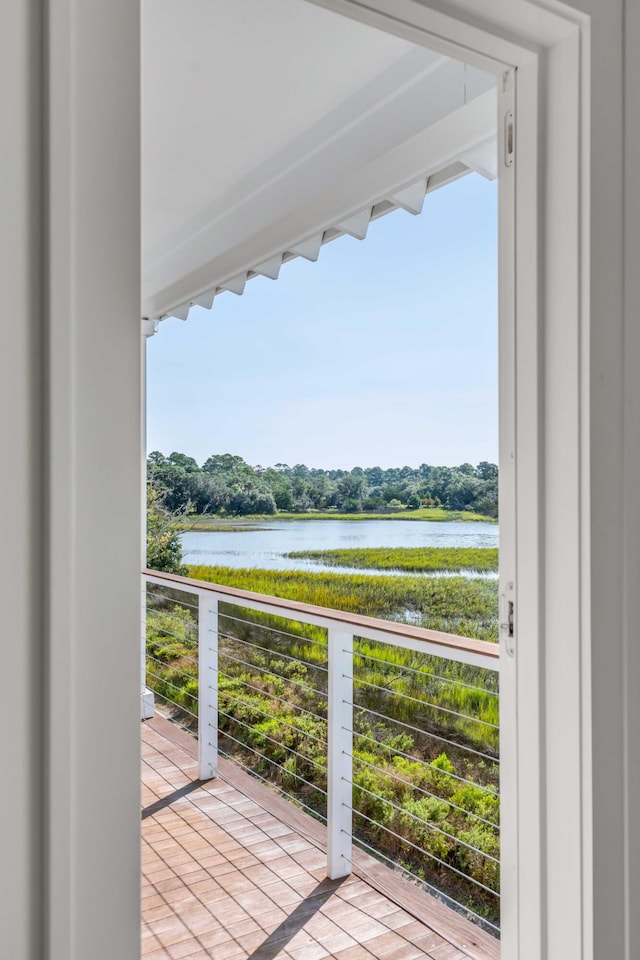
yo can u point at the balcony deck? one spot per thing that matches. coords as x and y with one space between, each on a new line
233 872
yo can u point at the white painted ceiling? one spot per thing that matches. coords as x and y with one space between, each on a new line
270 126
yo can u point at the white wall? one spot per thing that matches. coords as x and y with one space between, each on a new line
21 599
631 465
611 914
70 503
93 432
613 613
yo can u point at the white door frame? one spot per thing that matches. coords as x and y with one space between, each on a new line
76 279
545 680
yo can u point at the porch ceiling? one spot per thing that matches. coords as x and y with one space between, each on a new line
269 129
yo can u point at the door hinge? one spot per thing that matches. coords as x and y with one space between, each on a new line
509 139
507 619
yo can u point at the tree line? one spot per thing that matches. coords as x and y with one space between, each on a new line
226 484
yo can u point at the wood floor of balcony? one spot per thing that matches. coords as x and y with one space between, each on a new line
231 871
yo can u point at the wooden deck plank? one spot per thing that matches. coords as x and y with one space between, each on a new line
232 871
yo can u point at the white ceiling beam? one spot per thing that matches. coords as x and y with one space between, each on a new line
483 159
411 198
205 300
356 225
181 312
269 268
235 284
310 248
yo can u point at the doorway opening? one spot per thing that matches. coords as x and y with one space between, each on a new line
453 811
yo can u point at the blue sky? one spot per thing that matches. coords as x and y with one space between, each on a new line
383 352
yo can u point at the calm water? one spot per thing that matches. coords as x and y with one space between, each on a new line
266 547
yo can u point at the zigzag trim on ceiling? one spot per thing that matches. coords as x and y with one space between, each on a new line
410 198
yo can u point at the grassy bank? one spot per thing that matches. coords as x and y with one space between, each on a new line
412 559
454 605
217 523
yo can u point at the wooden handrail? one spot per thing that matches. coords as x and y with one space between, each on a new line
480 648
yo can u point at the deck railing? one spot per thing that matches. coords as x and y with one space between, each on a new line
387 732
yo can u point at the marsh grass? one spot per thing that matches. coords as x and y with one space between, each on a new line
207 524
412 559
454 604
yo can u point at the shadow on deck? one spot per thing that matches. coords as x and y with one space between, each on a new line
231 871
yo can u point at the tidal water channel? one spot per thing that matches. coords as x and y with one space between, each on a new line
265 544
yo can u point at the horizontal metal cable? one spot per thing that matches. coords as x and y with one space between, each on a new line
166 666
172 703
165 599
170 633
424 733
265 693
269 716
432 856
397 866
275 653
423 703
272 673
425 763
180 689
426 823
427 793
274 786
264 626
259 733
424 674
262 756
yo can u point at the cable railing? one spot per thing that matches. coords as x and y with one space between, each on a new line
386 732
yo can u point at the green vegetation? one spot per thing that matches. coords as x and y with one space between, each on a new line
210 524
453 604
164 551
225 485
417 559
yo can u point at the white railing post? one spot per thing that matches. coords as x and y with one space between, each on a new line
147 705
339 750
207 685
